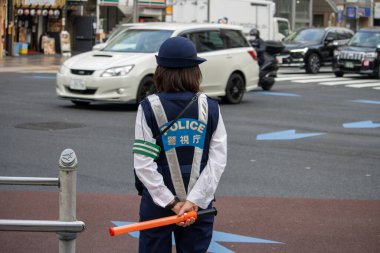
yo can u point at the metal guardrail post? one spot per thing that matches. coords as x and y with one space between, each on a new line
67 197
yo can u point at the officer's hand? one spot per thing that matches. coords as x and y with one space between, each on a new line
187 206
178 207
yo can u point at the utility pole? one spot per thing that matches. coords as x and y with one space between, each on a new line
208 11
372 8
135 11
10 28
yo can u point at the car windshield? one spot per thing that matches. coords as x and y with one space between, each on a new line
365 39
116 33
306 35
141 41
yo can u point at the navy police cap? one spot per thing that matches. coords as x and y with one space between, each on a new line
178 52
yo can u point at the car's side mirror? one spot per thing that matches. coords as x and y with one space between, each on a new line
328 40
99 46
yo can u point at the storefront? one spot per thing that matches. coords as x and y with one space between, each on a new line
355 14
3 25
37 26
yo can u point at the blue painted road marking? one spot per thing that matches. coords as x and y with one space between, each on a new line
277 94
361 124
217 236
41 77
285 135
374 102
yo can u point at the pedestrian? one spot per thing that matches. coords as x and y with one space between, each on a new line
259 45
178 170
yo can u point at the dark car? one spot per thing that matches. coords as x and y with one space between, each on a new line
361 55
311 48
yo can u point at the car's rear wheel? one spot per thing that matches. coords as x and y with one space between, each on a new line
80 103
339 74
313 63
235 89
146 88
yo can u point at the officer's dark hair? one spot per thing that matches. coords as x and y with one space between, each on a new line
177 79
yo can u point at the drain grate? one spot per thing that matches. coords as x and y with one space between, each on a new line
49 126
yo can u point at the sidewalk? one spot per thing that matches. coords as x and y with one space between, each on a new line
38 63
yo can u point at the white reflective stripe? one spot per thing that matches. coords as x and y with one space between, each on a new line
158 110
175 172
147 147
145 150
198 152
171 155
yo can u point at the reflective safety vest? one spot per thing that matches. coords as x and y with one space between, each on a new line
184 147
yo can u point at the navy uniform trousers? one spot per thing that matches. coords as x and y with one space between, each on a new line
195 238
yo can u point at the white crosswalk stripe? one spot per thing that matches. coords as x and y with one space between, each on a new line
363 85
351 81
299 77
331 80
319 80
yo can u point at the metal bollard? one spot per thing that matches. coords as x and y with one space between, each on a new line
67 197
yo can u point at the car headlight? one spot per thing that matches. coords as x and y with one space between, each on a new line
371 55
64 70
300 51
336 53
117 71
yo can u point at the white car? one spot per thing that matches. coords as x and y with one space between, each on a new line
123 70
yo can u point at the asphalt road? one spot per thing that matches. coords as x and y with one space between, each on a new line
330 164
341 163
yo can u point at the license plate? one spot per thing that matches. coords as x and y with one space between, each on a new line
349 65
77 84
281 58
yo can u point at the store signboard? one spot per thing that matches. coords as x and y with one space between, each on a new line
76 1
351 12
65 42
377 11
39 2
153 3
340 14
109 2
364 12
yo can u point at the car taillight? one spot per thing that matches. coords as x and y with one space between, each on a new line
252 53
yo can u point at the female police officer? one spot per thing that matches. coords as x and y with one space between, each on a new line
181 168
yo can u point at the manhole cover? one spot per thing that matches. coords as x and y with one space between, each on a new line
49 126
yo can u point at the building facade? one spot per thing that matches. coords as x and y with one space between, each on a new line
298 12
37 24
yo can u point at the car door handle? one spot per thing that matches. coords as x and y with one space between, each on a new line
228 56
